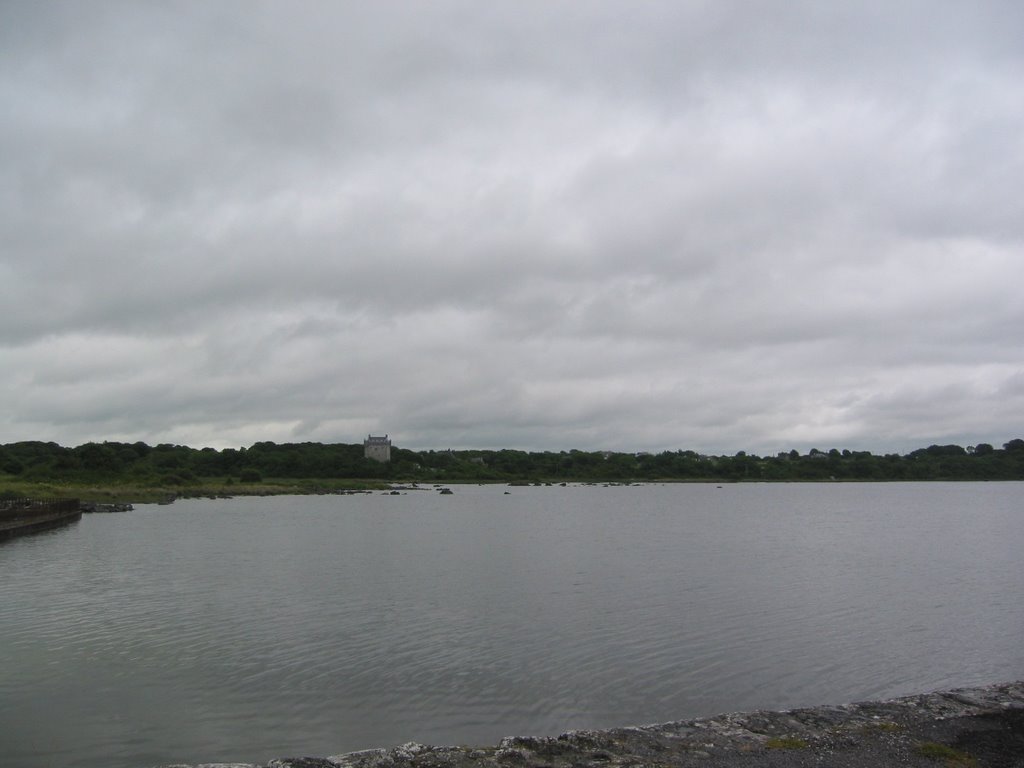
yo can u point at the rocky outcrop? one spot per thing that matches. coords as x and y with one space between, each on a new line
982 727
93 506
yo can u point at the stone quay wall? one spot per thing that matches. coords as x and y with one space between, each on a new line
20 516
980 727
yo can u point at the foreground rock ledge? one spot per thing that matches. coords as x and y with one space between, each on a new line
963 727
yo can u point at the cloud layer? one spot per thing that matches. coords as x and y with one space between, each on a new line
632 226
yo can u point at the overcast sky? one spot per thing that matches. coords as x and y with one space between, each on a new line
690 224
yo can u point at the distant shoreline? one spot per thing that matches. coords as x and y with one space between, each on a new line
99 494
139 494
136 472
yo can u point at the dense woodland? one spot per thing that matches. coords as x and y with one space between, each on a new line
177 465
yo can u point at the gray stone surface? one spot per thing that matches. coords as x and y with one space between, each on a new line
982 727
94 506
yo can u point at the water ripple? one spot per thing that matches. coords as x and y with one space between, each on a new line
251 628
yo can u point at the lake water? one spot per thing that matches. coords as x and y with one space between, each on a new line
247 629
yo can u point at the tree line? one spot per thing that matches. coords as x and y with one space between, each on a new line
177 465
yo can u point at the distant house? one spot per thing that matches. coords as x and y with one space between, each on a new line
377 448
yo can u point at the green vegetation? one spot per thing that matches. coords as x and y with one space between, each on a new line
951 756
884 726
786 742
138 472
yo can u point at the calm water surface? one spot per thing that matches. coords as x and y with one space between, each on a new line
246 629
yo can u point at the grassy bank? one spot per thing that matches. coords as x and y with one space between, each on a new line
145 493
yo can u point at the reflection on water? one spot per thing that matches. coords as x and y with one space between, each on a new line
247 629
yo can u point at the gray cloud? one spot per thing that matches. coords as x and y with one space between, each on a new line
609 225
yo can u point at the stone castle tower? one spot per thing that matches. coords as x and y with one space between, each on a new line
377 448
